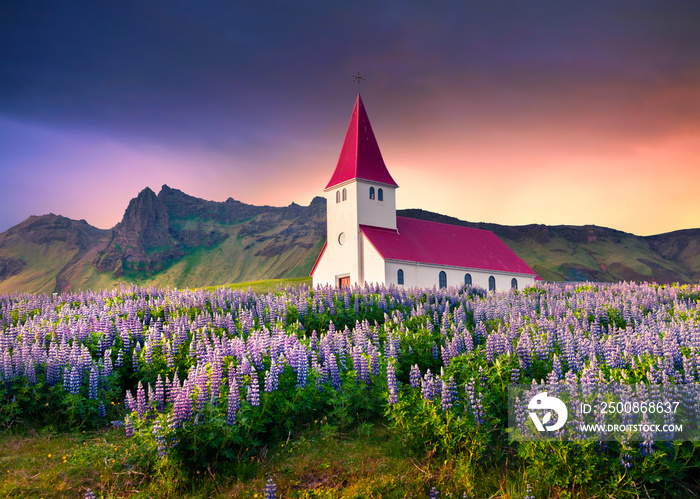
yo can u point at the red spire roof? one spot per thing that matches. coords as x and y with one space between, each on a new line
360 156
441 244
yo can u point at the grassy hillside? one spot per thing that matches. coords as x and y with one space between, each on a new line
47 246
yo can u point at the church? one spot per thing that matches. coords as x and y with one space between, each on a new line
368 243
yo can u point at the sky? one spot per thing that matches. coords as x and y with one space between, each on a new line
509 112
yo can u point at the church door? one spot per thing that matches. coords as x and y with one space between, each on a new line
344 282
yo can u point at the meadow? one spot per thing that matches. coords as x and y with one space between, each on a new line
359 392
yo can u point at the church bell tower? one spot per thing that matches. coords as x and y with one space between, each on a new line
361 191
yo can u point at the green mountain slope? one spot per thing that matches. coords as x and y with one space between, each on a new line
173 239
39 254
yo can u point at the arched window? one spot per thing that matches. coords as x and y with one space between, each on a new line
380 195
443 279
345 194
399 276
514 283
467 279
337 196
492 283
371 192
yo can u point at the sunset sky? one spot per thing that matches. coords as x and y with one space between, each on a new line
509 112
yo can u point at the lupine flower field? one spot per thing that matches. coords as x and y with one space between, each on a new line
208 381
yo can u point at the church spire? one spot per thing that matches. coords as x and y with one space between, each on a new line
360 157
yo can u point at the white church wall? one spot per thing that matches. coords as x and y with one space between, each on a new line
427 276
374 266
372 211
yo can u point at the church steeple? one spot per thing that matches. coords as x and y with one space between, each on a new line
360 157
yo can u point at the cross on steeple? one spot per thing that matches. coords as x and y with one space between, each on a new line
357 77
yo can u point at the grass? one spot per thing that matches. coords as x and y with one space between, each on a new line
363 463
265 285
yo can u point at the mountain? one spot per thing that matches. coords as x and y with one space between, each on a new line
168 239
173 239
39 254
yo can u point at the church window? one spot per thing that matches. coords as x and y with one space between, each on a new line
492 283
443 279
337 196
345 194
371 192
380 195
467 279
399 276
514 283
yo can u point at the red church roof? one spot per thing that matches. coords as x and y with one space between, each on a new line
360 156
443 244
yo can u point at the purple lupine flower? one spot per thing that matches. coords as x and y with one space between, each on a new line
89 494
52 366
414 376
271 381
182 407
253 395
391 382
356 363
427 386
169 355
270 489
94 378
234 401
434 493
446 355
335 375
148 353
476 407
140 400
452 389
302 362
172 388
556 368
160 394
365 369
129 403
202 390
215 380
107 369
491 348
374 361
446 397
128 427
514 375
101 410
524 350
321 375
30 370
528 492
160 439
